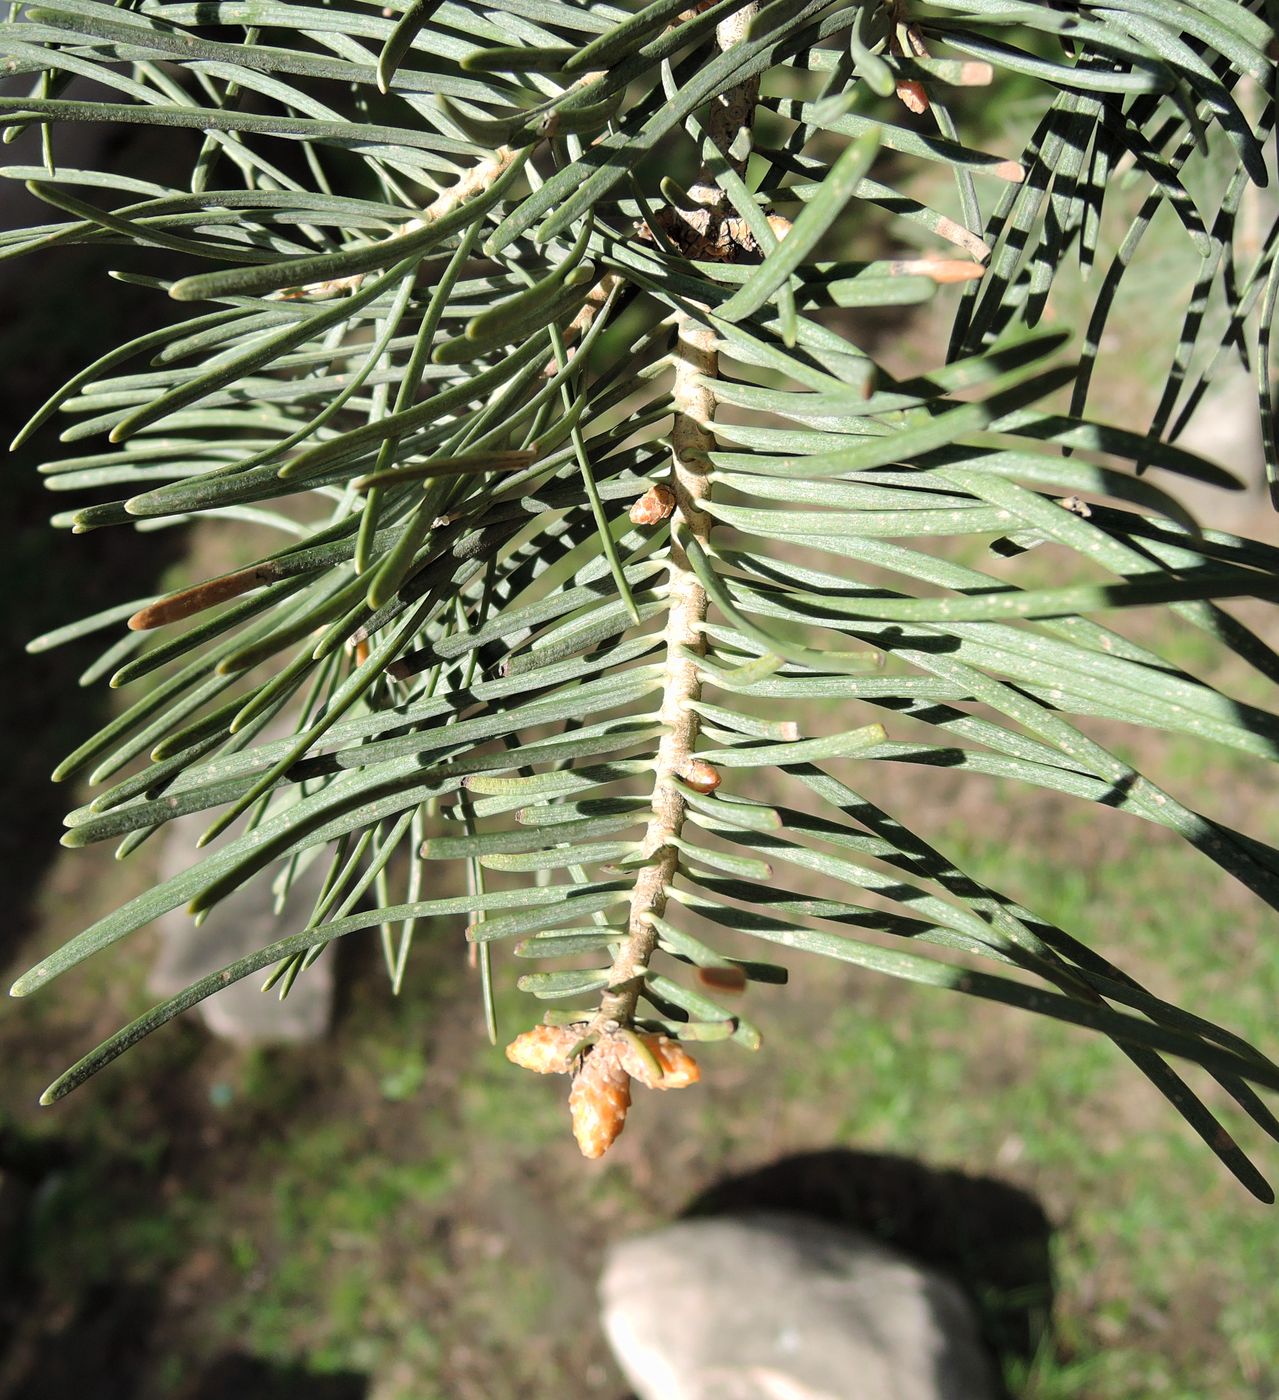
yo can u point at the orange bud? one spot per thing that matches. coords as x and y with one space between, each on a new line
657 1061
780 225
544 1049
679 1068
599 1100
654 506
700 776
911 94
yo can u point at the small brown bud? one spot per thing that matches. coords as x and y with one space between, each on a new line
654 506
780 225
911 94
700 776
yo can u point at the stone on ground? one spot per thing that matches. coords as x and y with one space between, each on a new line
781 1307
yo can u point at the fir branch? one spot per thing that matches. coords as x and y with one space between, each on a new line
466 625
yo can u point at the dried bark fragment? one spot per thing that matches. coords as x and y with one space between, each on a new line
709 234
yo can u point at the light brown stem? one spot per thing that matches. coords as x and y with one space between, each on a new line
696 365
732 113
474 181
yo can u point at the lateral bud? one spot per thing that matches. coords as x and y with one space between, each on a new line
701 776
654 506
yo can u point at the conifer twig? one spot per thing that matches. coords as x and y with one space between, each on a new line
696 366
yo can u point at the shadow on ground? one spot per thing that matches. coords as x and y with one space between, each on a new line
111 1356
235 1377
993 1239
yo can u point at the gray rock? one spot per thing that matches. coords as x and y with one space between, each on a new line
242 923
780 1307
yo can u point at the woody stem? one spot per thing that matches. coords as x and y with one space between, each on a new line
696 364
